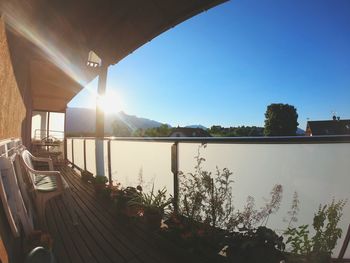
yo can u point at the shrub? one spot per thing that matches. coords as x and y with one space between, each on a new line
205 197
250 217
99 179
327 232
254 245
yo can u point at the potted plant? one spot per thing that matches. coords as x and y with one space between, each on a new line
122 197
199 239
254 245
86 176
99 183
153 205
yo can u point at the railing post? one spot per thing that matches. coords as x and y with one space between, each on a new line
109 163
345 245
85 154
73 152
65 150
100 121
175 171
99 154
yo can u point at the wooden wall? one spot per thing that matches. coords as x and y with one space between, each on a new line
14 93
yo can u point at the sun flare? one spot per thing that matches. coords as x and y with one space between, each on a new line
110 103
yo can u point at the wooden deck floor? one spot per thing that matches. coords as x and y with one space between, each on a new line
99 236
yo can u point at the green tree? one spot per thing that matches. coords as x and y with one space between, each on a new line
281 120
240 131
161 131
139 133
215 129
120 129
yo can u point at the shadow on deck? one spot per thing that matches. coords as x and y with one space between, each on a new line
99 236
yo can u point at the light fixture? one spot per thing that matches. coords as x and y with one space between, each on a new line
94 60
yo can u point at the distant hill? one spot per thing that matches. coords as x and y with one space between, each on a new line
82 122
300 132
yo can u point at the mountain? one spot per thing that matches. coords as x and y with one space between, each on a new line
132 121
300 132
82 121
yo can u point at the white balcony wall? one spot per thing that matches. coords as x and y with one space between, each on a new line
79 152
144 163
69 150
318 172
105 157
91 156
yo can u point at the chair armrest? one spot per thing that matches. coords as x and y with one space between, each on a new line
46 160
56 174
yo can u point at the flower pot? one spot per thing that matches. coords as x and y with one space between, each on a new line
86 176
99 187
153 219
132 211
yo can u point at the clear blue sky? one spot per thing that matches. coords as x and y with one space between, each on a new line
226 65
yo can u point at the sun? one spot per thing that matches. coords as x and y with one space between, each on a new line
110 103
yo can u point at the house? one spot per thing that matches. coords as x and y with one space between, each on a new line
188 132
328 127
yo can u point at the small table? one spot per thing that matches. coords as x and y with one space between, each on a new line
49 149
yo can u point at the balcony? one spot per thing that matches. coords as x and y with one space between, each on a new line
314 167
44 49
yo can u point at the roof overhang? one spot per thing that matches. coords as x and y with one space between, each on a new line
60 35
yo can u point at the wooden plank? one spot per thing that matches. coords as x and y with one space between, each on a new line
123 232
143 238
142 243
75 234
91 221
64 233
95 239
100 226
110 222
59 249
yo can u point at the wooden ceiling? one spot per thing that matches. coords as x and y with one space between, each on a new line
62 32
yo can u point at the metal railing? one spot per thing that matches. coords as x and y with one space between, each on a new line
202 140
40 134
174 154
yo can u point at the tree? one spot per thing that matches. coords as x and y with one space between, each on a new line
161 131
281 120
240 131
120 129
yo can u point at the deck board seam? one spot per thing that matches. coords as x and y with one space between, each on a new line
77 183
105 216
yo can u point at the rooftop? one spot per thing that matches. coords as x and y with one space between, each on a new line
328 127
